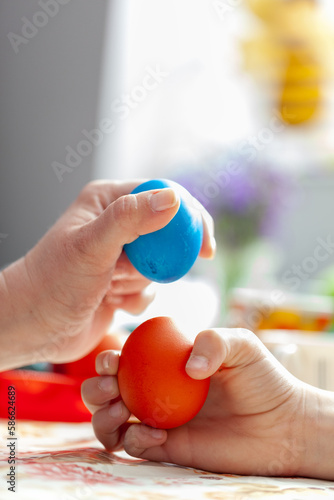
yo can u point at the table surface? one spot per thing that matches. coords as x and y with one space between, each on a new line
64 461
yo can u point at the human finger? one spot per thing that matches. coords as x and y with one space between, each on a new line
140 438
223 347
128 286
208 248
124 269
97 392
110 424
98 194
123 221
106 363
133 303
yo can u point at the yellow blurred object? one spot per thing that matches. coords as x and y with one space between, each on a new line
292 56
288 13
289 320
276 309
283 320
264 9
301 94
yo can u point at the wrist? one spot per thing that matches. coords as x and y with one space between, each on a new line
20 333
318 455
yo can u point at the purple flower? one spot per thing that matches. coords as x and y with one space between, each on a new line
243 198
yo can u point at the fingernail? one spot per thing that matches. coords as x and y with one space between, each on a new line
106 361
116 410
213 244
106 384
198 363
164 199
157 433
153 432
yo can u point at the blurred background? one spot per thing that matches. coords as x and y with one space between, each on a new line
232 98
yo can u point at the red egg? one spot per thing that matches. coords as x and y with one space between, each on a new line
152 379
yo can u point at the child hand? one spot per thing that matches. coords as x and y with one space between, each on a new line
253 421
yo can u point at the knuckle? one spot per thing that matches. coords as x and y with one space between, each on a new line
204 338
100 191
245 334
250 343
126 204
211 335
98 421
125 211
246 337
89 189
132 443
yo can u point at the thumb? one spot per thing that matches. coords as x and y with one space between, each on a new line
127 218
223 347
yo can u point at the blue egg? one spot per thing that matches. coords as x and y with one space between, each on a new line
168 254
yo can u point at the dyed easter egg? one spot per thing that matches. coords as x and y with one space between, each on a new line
152 379
169 253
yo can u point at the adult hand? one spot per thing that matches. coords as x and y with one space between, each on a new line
257 420
61 297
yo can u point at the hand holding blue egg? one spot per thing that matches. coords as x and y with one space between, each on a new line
169 253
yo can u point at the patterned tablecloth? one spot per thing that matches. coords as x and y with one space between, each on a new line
57 461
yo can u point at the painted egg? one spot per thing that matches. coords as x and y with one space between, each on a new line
169 253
